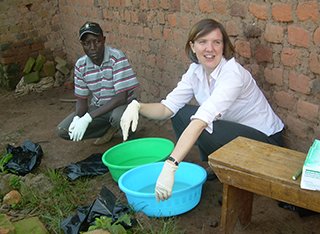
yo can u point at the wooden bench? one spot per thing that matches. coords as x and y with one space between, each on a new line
245 167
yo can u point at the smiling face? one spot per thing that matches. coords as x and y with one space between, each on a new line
209 49
93 46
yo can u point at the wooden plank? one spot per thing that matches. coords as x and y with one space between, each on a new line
236 204
245 166
292 194
261 159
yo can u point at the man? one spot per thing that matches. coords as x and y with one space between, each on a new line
105 75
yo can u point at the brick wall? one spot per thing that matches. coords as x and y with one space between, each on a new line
29 27
278 41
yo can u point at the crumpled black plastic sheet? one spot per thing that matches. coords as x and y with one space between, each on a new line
90 166
105 205
25 158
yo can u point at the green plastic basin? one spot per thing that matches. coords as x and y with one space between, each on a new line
130 154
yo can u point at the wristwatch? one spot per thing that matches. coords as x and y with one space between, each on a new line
173 160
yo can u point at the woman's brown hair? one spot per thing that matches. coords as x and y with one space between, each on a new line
202 28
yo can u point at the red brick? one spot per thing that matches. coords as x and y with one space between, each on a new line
127 3
284 99
165 4
314 62
147 32
172 20
274 76
153 4
184 22
260 11
274 33
160 17
308 10
308 110
290 57
233 28
316 36
8 60
175 5
220 6
298 36
238 9
143 4
127 16
243 48
299 82
188 6
253 69
297 126
263 54
134 17
282 12
157 32
167 34
205 6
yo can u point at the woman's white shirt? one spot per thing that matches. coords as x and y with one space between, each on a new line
232 95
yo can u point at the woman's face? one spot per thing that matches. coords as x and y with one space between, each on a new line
209 49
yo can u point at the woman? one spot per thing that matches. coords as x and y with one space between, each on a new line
230 103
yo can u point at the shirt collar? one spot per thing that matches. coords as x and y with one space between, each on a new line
200 72
106 58
218 69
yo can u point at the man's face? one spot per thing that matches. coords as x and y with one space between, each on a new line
93 46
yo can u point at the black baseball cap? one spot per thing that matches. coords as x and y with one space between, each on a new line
90 27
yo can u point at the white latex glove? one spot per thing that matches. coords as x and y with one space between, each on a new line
72 125
165 181
81 127
130 117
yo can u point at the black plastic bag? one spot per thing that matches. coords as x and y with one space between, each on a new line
301 211
24 158
105 205
90 166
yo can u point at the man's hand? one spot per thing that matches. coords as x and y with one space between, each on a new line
165 181
72 125
80 127
130 117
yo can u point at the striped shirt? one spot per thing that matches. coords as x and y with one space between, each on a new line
113 76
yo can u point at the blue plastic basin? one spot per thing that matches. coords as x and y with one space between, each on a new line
138 184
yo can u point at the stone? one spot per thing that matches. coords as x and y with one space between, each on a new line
32 77
60 61
6 227
12 198
29 65
30 225
49 68
63 69
39 63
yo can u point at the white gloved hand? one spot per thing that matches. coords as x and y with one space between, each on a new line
130 117
81 127
165 181
72 125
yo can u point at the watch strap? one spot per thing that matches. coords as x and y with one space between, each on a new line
173 160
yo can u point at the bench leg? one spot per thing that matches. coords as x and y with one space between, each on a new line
237 203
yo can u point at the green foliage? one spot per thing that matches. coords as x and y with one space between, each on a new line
66 196
105 223
15 182
53 206
4 159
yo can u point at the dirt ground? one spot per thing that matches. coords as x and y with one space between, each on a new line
36 115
